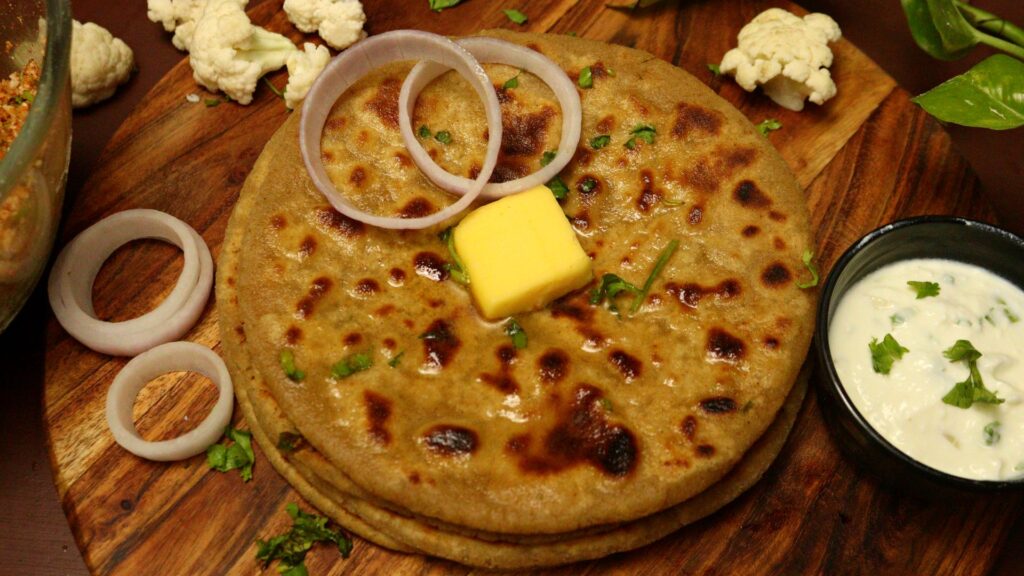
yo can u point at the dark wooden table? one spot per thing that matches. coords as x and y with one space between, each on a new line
34 536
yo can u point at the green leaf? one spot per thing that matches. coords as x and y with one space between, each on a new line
965 394
547 157
715 69
455 268
924 289
240 455
291 548
424 132
514 331
558 188
587 184
438 5
992 434
349 366
768 125
808 260
962 351
989 95
938 28
659 265
611 286
896 319
600 141
884 353
213 102
287 360
586 78
511 83
273 88
643 132
515 16
444 137
398 358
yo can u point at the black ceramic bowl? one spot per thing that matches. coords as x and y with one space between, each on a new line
924 237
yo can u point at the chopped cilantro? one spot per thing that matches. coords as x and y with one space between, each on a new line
396 359
558 188
586 78
291 548
965 394
897 320
611 286
273 88
884 353
514 331
768 125
512 82
213 102
289 441
1013 318
424 132
924 289
600 141
349 366
438 5
808 260
515 16
643 132
659 265
547 157
287 359
588 184
456 268
714 68
992 434
26 96
444 137
222 457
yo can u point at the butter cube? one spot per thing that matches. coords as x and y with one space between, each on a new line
520 253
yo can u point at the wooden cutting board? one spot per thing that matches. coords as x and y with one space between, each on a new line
866 158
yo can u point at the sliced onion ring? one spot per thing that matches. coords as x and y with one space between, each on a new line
357 61
71 280
495 51
170 357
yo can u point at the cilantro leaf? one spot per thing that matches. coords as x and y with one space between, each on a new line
611 286
965 394
511 83
600 141
547 157
349 366
424 132
884 353
587 184
643 132
514 331
438 5
991 433
768 125
515 16
213 102
963 351
456 268
659 264
924 289
715 69
808 260
586 78
223 458
558 188
444 137
291 548
287 360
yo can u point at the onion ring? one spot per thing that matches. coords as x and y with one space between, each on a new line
170 357
494 51
354 63
71 280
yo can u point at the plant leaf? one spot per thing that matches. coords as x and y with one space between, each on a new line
989 95
925 28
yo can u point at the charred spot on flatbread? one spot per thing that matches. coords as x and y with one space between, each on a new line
723 346
329 219
450 440
718 405
628 365
775 275
378 412
317 289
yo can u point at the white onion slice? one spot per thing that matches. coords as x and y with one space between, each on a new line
170 357
357 61
71 280
494 51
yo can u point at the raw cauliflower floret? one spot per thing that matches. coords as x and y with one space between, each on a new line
229 54
179 16
303 69
787 56
99 63
339 22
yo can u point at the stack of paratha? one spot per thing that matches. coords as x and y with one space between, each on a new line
608 430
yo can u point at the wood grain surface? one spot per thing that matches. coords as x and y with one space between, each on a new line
866 158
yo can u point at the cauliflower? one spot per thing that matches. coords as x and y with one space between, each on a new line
303 69
229 54
788 56
179 16
340 22
99 63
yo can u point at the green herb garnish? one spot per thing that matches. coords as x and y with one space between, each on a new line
600 141
213 102
444 137
611 286
659 265
287 360
768 125
223 458
511 83
558 188
349 366
273 88
455 268
896 319
715 69
397 358
924 289
547 157
992 434
291 548
809 263
586 78
588 184
424 132
965 394
438 5
514 331
884 353
643 132
1013 318
515 16
26 96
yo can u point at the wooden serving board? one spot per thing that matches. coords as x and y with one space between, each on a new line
866 158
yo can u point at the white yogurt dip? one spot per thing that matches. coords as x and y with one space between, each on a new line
906 405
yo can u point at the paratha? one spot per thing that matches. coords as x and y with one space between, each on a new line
604 420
